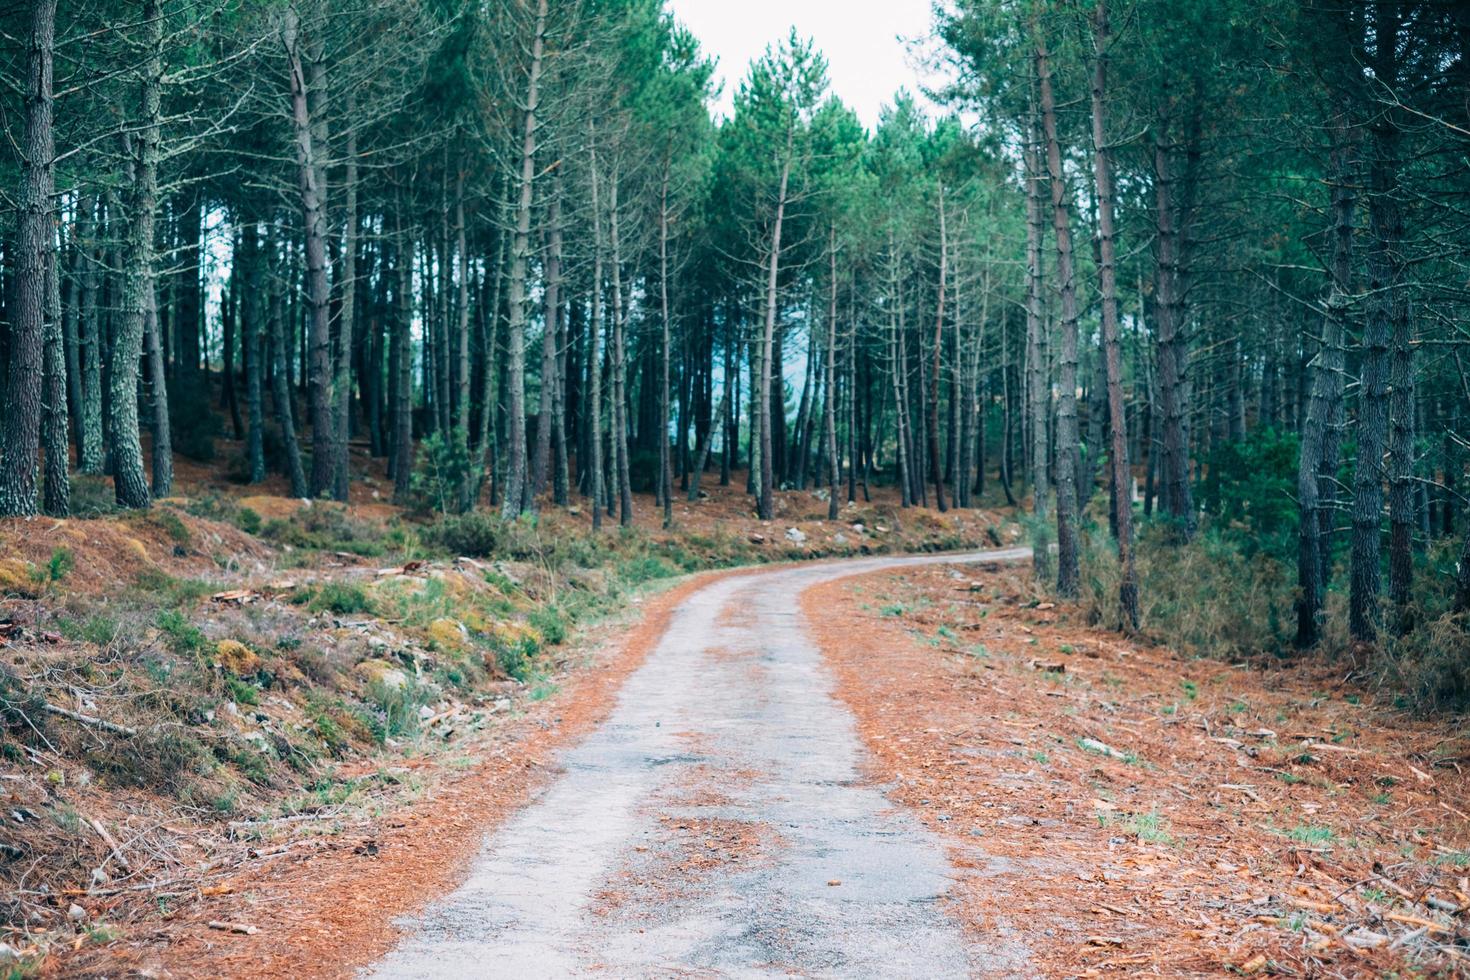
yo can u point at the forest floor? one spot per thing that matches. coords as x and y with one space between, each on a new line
246 736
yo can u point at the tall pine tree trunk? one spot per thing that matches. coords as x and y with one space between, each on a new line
129 483
1122 483
1068 571
35 246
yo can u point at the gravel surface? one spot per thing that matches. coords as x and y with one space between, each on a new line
717 824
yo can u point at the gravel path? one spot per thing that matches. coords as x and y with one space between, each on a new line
717 824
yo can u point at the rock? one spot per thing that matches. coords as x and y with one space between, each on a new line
8 953
501 704
756 538
839 538
76 913
381 672
859 528
232 709
425 712
99 877
795 535
377 643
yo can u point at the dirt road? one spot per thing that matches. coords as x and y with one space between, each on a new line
716 824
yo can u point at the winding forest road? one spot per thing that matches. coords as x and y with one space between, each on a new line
717 824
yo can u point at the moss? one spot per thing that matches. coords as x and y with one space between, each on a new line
237 658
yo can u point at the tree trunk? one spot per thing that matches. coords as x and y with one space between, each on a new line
129 483
619 357
1068 572
346 322
1386 321
937 470
35 245
541 463
1038 387
311 192
280 346
594 347
1317 467
253 347
665 474
1177 494
54 426
829 410
402 360
766 506
89 327
163 455
517 489
1112 347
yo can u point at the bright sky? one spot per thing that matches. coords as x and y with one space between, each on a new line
867 61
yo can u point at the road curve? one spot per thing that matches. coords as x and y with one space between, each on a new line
716 824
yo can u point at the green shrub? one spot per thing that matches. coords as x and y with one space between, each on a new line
342 598
550 622
648 568
474 535
62 561
183 636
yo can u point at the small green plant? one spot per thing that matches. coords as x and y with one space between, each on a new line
342 598
1307 833
242 692
1190 688
893 609
550 622
182 635
61 562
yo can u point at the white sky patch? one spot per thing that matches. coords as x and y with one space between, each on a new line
863 40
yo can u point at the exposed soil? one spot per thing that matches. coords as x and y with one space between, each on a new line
1119 809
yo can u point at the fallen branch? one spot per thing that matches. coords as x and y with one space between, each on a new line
236 927
107 839
77 716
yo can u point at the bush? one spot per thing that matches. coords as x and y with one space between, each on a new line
342 598
550 622
1205 598
474 535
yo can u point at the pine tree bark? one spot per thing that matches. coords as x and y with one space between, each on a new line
35 245
346 320
1068 570
1317 466
311 192
1122 483
766 504
402 359
1177 494
1038 387
129 483
1386 321
594 344
619 357
253 347
550 381
665 472
829 410
936 469
517 497
90 449
160 423
56 500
